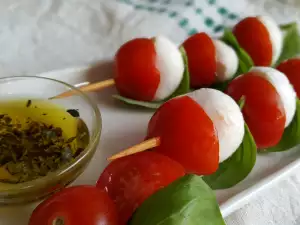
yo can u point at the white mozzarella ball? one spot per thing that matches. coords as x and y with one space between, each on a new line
227 61
283 87
169 63
226 117
275 36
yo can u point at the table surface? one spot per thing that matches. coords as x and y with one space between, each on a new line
38 36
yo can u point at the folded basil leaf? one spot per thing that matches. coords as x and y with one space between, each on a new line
291 42
243 68
245 61
183 88
188 200
230 39
291 134
237 167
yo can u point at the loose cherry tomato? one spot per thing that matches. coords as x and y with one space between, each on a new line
291 68
254 37
76 206
187 135
136 75
201 54
131 180
263 110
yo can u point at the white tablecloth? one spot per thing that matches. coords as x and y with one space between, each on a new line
38 36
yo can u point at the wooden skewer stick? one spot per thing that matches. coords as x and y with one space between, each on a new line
145 145
87 88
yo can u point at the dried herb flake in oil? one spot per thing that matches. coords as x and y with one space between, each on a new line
73 112
28 104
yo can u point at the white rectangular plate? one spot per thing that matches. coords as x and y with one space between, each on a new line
124 126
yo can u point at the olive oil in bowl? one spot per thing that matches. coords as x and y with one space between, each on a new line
37 137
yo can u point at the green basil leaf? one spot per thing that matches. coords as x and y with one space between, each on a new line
188 200
183 88
245 61
287 26
129 101
291 134
237 167
291 42
241 102
242 68
221 86
230 39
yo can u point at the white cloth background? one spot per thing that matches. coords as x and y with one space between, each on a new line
38 36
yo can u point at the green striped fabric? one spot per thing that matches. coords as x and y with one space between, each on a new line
187 13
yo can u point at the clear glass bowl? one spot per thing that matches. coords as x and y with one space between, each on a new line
32 87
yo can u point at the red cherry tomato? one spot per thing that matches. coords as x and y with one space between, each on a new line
76 206
136 75
254 37
291 68
131 180
263 110
187 135
201 54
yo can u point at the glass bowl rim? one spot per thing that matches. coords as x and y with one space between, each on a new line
37 184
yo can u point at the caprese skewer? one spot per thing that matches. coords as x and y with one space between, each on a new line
198 130
145 69
152 69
